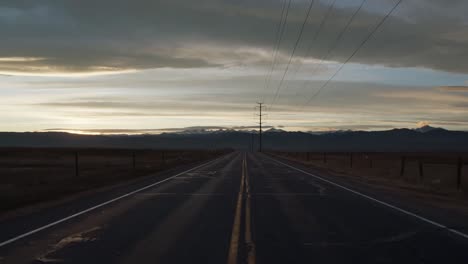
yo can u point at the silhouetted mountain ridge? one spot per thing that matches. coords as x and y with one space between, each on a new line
427 128
389 140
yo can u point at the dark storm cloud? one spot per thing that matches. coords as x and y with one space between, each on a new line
87 36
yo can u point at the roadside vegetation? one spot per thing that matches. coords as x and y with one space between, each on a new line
33 175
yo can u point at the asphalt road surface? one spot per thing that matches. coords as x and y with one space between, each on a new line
240 208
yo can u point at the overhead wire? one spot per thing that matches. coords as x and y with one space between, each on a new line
293 52
316 34
279 37
273 52
382 21
335 43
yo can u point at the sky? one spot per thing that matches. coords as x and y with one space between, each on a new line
145 66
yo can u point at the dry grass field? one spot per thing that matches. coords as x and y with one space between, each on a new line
31 175
445 173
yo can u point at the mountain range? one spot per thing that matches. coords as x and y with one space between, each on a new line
422 139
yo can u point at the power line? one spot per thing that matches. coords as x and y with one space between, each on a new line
273 53
282 26
294 50
337 40
317 33
322 23
382 21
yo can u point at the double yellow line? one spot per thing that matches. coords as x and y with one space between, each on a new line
244 192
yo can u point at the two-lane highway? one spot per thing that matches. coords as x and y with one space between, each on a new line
185 219
240 208
304 218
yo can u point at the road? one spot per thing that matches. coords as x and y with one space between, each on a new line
240 208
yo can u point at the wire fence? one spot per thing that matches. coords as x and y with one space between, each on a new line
442 171
29 175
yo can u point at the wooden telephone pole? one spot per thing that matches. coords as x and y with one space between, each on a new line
260 107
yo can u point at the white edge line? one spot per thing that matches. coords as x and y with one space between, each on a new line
11 240
454 231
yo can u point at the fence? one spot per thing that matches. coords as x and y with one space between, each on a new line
444 171
33 174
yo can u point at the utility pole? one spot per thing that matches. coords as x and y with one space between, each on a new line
252 143
260 108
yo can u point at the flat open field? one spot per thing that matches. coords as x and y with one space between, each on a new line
31 175
445 173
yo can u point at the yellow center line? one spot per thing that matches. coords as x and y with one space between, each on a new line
248 223
235 235
236 229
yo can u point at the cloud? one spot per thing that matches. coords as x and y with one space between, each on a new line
95 63
461 105
223 101
422 124
423 96
133 106
153 131
453 88
106 36
19 59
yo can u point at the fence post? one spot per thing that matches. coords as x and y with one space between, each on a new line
76 164
403 165
133 160
459 172
421 172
